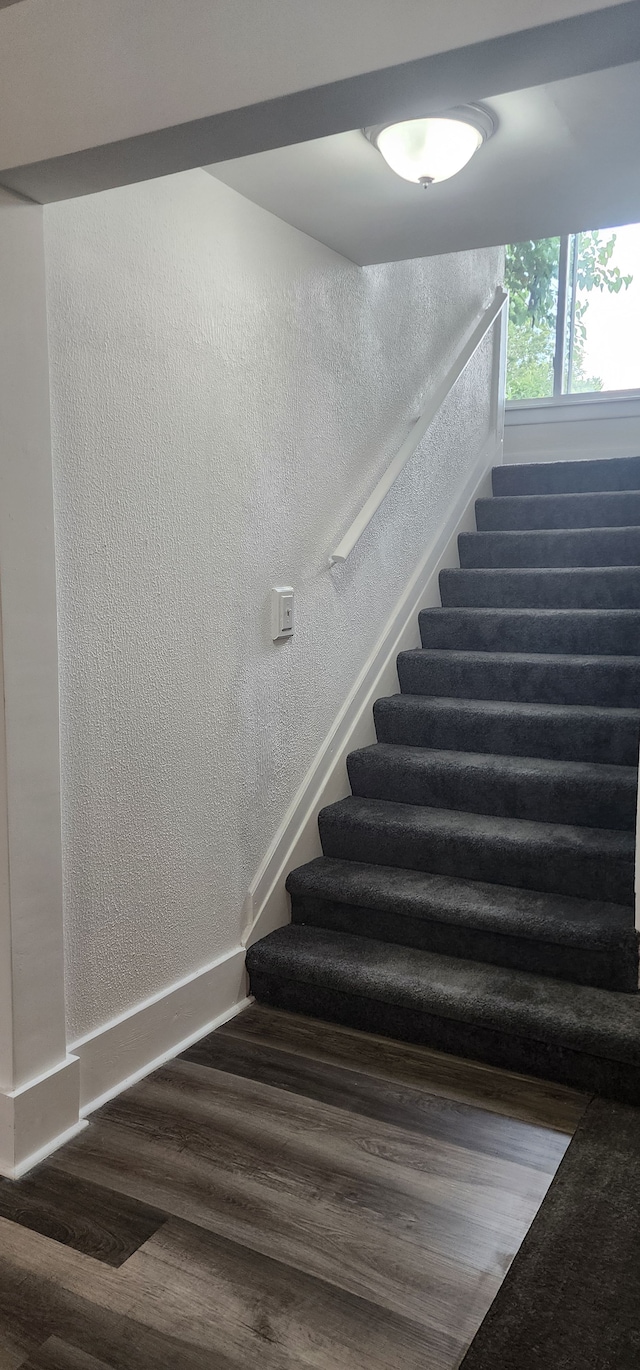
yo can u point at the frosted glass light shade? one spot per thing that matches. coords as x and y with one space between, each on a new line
428 150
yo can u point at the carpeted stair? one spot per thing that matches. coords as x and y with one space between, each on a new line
476 891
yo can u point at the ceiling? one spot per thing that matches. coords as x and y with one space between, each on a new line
102 93
565 156
76 74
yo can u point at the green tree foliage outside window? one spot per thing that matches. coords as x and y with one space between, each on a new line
531 277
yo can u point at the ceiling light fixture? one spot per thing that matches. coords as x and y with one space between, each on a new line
433 149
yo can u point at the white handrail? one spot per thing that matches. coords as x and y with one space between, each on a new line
439 395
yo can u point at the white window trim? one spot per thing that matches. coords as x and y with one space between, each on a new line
602 404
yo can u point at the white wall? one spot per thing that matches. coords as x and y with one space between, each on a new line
573 427
225 393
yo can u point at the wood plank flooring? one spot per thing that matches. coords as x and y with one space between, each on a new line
289 1194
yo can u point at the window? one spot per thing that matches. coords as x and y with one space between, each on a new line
574 314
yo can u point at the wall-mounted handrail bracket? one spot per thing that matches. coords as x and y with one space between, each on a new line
496 310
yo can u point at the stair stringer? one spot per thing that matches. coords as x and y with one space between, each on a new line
297 840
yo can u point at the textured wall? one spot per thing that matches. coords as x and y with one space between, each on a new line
225 393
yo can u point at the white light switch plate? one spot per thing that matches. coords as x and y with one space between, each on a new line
282 611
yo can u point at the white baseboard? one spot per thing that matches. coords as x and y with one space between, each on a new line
125 1050
297 840
38 1117
45 1113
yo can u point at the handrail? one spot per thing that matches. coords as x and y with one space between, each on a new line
435 402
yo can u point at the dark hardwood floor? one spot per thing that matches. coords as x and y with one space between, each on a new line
287 1194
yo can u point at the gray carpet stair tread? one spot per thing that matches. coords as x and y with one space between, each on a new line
536 677
552 857
558 477
465 903
613 632
565 731
576 1017
615 509
538 788
476 890
551 547
558 587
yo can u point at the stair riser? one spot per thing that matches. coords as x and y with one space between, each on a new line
497 860
566 548
563 739
554 478
562 511
483 904
612 685
542 589
526 1056
591 632
587 802
614 969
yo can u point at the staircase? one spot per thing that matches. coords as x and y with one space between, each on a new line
476 891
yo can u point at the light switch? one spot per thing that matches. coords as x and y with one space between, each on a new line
282 611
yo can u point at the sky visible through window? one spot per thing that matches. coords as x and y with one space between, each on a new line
612 344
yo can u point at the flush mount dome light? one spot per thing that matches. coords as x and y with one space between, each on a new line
435 148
